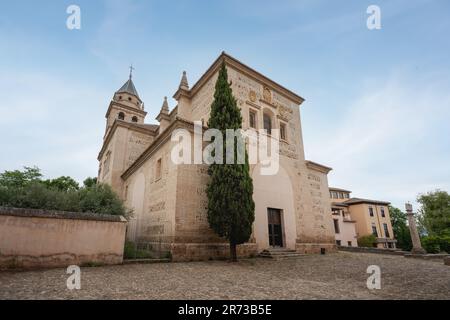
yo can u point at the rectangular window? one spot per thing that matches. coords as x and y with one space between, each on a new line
349 243
341 195
267 123
371 211
338 242
252 119
336 226
346 196
374 231
158 169
283 131
386 230
382 213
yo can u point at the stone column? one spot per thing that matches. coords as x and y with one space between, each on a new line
417 247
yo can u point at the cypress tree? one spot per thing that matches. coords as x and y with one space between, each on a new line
231 209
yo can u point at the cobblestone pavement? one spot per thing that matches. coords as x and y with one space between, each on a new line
335 276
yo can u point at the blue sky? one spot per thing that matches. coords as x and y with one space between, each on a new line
377 104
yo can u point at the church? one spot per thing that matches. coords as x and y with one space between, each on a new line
169 202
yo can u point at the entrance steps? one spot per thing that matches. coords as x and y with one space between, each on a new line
280 253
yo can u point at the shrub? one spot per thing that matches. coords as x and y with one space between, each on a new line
368 241
436 244
431 244
26 190
132 252
444 244
100 199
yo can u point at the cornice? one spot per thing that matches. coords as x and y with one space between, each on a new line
244 69
120 105
317 167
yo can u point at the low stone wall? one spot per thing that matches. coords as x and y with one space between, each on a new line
209 251
372 250
427 256
38 238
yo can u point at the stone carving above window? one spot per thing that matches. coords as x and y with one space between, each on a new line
285 112
267 95
252 96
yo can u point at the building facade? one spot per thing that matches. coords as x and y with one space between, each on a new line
344 225
367 217
292 207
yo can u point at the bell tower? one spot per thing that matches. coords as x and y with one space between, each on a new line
126 105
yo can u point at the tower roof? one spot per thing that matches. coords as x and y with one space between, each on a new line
128 87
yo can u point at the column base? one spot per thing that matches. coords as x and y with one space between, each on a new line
418 251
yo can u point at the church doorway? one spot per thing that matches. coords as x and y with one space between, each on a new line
275 227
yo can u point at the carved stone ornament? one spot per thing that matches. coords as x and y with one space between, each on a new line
252 96
267 95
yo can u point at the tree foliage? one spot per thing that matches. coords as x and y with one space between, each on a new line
26 189
400 228
435 212
231 210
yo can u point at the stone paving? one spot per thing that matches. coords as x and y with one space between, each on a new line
335 276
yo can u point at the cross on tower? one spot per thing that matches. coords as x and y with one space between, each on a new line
131 71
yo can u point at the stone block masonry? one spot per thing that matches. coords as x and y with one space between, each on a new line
41 239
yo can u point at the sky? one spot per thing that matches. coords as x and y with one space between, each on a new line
377 106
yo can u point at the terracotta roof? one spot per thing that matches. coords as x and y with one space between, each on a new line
339 204
359 200
338 189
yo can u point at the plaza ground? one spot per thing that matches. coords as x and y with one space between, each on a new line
334 276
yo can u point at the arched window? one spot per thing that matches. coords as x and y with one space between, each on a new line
121 116
134 119
268 123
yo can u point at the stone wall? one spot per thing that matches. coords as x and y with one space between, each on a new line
37 238
210 251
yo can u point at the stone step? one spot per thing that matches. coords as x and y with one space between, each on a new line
279 256
144 261
279 251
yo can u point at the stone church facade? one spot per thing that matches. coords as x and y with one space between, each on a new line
292 208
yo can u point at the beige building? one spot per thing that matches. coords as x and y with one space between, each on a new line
344 225
169 201
366 216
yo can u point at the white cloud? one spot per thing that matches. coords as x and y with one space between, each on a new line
392 142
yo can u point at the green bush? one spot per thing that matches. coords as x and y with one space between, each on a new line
445 244
431 244
368 241
436 244
26 190
132 252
